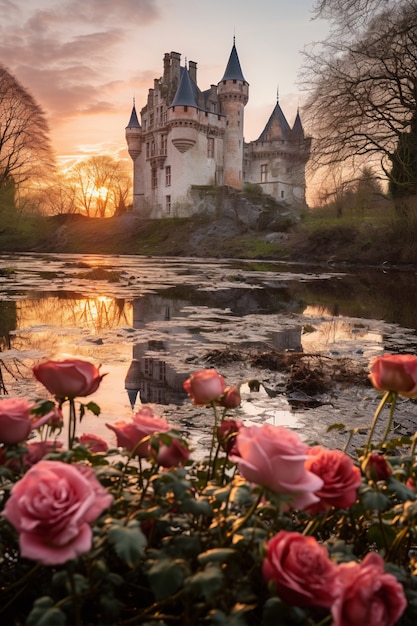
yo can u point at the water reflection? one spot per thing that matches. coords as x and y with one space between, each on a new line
151 329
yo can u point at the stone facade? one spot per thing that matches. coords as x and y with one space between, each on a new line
188 137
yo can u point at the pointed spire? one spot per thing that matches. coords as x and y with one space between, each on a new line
277 126
133 122
297 128
233 70
185 95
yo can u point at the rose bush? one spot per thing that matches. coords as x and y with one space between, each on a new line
261 528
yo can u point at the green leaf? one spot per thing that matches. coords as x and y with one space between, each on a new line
207 582
339 426
128 542
44 613
166 577
93 407
375 500
381 535
216 554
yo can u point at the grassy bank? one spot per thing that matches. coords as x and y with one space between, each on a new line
319 237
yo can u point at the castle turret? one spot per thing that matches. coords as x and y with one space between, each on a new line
233 94
183 114
133 133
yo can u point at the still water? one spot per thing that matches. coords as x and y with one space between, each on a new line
151 321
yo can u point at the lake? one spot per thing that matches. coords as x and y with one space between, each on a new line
151 322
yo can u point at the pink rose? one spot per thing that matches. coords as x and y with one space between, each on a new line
93 442
395 372
341 478
204 387
274 457
52 508
368 596
301 570
38 449
376 467
15 420
70 378
143 424
226 434
170 454
231 398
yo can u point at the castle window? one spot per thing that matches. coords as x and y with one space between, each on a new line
151 120
264 173
185 109
154 178
148 150
210 147
163 144
168 176
168 204
282 194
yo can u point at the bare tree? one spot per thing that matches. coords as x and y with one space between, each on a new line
364 92
25 149
101 185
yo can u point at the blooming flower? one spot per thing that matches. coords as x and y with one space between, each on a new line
52 508
341 478
368 596
274 457
395 372
69 378
134 435
15 420
93 442
205 386
301 570
171 453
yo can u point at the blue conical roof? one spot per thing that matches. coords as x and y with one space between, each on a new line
185 95
133 122
277 126
233 70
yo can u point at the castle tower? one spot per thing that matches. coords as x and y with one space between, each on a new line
133 134
233 94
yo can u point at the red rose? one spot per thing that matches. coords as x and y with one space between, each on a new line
368 595
341 478
226 435
70 378
205 387
231 398
301 570
395 372
376 468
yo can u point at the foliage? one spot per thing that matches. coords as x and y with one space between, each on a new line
25 150
187 544
363 98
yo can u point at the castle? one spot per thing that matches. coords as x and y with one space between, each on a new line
188 137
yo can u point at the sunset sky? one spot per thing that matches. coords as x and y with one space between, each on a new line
85 60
